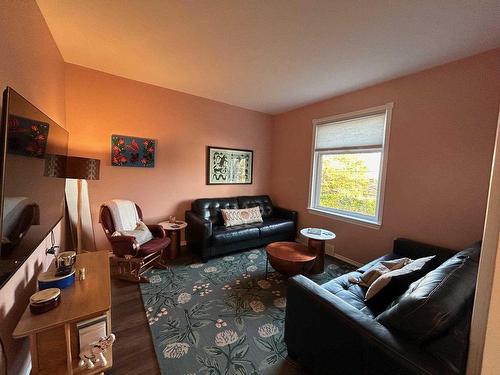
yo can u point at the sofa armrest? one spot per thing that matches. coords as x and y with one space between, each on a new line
198 226
283 213
322 330
414 249
124 245
198 233
156 230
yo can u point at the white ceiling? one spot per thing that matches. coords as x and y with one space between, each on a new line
269 55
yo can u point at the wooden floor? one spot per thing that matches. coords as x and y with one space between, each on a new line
133 351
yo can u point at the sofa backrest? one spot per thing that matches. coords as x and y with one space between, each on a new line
262 201
435 310
210 208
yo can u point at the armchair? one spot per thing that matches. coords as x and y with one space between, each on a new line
130 260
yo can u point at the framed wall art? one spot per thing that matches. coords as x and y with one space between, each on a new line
229 166
127 151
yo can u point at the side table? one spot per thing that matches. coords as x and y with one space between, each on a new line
316 243
174 232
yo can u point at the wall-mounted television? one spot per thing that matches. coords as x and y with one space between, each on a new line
31 202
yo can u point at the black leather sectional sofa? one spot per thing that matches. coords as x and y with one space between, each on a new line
330 329
207 236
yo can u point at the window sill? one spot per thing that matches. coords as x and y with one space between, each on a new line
347 219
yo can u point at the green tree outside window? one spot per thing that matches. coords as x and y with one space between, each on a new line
349 182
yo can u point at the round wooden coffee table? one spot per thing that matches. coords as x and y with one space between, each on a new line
289 258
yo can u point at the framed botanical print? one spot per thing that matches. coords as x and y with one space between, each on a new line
227 166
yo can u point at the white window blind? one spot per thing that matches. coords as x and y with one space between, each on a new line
363 132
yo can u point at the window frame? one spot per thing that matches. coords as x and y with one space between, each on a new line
314 181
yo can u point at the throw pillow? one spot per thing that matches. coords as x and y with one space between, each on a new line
380 268
141 233
398 279
234 217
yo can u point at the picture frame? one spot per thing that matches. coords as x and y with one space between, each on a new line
229 166
129 151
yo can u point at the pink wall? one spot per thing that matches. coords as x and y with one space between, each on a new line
33 66
100 104
441 145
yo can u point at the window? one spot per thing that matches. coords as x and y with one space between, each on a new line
348 171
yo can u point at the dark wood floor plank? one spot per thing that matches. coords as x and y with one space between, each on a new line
133 351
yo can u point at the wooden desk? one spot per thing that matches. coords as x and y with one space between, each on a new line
53 335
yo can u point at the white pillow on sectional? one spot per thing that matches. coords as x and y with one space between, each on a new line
234 217
382 281
380 268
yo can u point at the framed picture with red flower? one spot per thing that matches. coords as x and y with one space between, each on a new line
27 137
127 151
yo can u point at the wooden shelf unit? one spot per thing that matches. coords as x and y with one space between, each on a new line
55 331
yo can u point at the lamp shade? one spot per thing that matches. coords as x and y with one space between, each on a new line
63 166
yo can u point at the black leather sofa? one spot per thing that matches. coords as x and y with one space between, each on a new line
207 236
330 329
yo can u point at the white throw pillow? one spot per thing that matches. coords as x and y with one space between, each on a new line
141 233
385 279
241 216
381 268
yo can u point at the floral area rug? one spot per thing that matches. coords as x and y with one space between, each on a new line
221 317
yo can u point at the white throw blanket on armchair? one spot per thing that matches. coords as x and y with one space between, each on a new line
124 213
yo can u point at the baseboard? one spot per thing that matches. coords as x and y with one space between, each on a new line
330 250
347 260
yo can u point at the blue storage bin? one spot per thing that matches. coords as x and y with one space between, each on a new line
49 280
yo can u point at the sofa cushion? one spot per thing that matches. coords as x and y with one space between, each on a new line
273 226
210 208
224 235
261 201
152 246
433 303
350 292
